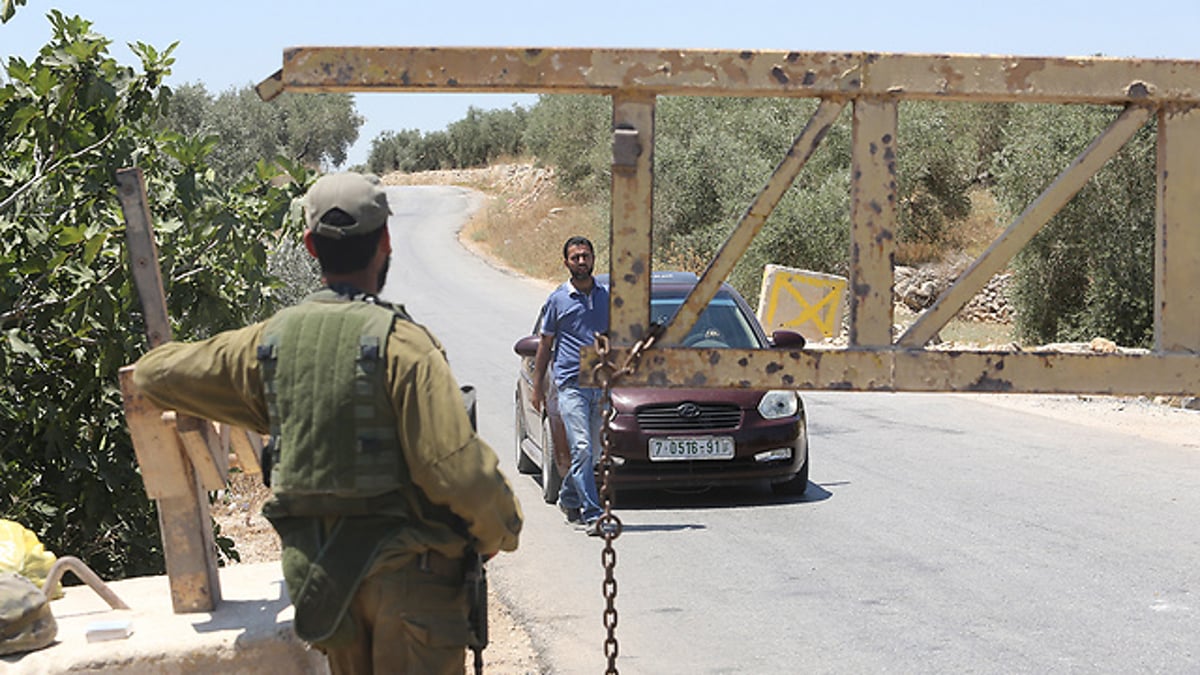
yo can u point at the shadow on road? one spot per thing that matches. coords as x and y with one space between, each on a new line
715 497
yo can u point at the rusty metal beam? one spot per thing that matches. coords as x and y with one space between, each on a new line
875 84
752 221
738 73
928 371
1177 271
872 222
1023 229
630 243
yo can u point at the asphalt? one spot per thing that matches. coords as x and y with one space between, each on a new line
250 630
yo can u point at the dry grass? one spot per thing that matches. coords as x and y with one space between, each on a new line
529 236
968 237
963 332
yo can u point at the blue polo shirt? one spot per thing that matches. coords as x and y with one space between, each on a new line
574 318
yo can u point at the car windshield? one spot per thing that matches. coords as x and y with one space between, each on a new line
721 325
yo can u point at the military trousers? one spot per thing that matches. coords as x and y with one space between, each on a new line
410 619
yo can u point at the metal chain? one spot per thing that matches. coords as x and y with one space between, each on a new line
607 374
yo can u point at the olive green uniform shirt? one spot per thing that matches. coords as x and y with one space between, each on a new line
220 379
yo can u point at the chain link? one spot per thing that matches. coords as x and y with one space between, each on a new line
607 374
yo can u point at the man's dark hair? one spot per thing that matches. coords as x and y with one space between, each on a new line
578 241
348 254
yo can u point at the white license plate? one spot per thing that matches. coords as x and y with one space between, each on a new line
692 447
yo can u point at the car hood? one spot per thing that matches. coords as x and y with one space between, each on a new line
629 399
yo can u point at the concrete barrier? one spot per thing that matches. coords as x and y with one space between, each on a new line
249 631
810 303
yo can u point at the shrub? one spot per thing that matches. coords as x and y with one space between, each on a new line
1089 272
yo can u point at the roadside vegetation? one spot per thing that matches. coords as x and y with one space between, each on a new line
69 314
223 172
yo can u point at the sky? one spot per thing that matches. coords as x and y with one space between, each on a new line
228 45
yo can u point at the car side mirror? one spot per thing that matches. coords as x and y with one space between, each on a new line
528 345
783 339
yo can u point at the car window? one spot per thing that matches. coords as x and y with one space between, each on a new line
721 325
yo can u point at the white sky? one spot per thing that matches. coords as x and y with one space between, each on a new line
231 44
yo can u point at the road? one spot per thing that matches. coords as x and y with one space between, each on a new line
940 533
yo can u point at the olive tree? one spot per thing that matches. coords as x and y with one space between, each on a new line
1090 272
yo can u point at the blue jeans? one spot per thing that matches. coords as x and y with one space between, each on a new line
581 410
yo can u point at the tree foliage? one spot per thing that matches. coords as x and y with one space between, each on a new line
316 130
409 151
571 132
479 138
1089 272
68 312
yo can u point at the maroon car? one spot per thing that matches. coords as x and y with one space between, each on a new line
681 438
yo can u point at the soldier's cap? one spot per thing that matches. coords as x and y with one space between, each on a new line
360 196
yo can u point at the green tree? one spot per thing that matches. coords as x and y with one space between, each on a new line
713 155
189 106
1089 272
394 151
314 129
318 129
432 152
572 133
485 135
69 315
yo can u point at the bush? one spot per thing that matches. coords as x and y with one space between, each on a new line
571 133
1089 272
70 315
713 155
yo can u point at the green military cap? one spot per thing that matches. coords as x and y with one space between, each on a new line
360 196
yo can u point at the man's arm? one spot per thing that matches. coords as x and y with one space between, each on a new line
446 458
540 363
218 379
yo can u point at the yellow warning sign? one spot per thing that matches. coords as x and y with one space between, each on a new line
809 303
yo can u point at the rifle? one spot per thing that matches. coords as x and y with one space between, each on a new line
475 580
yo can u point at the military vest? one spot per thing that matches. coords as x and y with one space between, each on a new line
333 431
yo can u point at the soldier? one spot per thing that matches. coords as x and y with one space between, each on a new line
381 489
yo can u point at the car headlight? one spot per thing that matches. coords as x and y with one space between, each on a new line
778 403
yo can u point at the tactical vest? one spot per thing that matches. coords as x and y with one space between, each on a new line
333 431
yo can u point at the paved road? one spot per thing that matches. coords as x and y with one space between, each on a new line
940 533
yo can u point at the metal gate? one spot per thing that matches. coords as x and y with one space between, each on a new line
872 86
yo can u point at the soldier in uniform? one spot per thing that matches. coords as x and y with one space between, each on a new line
381 490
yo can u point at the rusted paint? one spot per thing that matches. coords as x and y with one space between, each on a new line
1017 74
873 220
1177 268
746 73
874 83
1138 90
630 244
929 371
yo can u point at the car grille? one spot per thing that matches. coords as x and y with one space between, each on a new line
688 416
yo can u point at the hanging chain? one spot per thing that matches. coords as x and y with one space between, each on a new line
607 374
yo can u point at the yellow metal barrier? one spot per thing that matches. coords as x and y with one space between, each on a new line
871 85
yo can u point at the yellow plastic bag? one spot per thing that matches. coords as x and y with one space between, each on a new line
22 553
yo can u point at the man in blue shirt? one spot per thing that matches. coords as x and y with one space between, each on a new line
574 313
